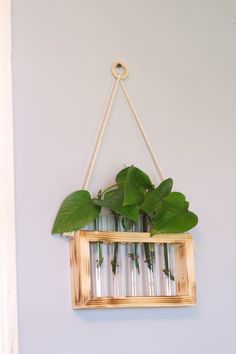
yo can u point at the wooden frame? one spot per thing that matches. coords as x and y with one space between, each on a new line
80 270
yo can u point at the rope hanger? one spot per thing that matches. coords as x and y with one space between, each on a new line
120 72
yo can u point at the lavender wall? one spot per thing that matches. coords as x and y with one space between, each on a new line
181 56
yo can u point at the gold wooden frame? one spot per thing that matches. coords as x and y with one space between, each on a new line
80 270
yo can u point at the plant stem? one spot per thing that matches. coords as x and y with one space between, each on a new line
136 257
99 244
166 256
116 245
148 251
127 224
115 257
167 270
102 192
149 255
100 257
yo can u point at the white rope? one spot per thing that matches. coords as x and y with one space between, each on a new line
150 149
103 127
100 135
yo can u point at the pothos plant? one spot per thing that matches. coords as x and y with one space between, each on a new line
131 197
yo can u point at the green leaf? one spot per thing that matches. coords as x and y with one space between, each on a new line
173 215
135 183
154 197
183 221
121 176
176 199
133 193
76 211
114 200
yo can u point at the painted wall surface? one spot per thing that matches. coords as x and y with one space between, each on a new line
181 56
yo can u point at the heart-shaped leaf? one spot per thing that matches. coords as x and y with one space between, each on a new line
135 183
182 221
76 211
173 215
154 197
140 177
114 200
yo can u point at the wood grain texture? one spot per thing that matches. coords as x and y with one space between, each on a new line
80 270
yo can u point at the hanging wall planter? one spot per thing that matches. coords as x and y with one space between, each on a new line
136 254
